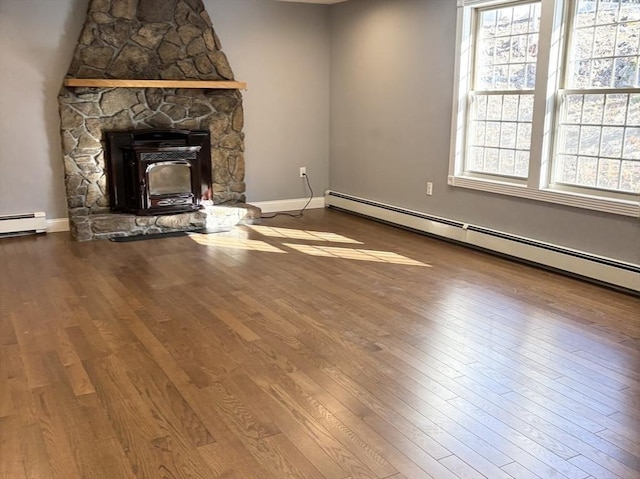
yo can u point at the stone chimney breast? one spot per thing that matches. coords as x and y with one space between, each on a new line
147 40
150 11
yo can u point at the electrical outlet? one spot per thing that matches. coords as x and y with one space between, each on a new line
303 171
429 188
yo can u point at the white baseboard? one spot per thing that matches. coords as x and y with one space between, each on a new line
57 225
584 264
289 205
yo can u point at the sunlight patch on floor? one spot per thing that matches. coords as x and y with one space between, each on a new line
355 254
302 234
235 243
238 240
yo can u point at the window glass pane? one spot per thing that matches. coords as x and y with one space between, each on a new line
530 76
615 110
507 162
534 17
629 11
500 78
632 144
589 140
612 140
630 176
581 74
479 104
516 77
524 136
569 139
582 43
493 134
573 108
479 127
519 48
604 38
501 52
627 39
609 174
586 13
476 156
508 135
522 163
505 19
491 160
633 116
592 109
525 108
510 108
587 171
568 166
601 73
521 19
625 72
494 107
607 11
532 48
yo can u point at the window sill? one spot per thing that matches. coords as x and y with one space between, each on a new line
590 202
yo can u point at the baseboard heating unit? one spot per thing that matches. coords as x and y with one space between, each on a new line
21 224
586 265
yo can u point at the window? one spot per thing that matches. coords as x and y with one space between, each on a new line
548 101
501 102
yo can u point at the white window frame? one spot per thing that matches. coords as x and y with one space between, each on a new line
538 185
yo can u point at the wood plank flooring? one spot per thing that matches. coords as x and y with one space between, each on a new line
324 347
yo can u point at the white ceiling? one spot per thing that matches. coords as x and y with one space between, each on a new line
324 2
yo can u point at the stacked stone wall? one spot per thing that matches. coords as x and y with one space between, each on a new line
151 40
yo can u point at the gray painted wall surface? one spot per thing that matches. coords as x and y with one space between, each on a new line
392 64
280 49
383 118
37 38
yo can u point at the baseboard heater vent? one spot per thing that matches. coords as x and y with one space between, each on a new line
27 223
589 266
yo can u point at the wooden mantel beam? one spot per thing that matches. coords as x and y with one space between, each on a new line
112 83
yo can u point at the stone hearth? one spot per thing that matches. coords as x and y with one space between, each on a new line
149 40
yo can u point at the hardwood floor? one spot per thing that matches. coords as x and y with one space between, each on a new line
323 347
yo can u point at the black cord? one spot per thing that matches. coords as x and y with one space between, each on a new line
300 213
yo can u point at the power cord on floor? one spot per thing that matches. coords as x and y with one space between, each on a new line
299 214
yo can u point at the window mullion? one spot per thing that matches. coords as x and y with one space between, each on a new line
550 44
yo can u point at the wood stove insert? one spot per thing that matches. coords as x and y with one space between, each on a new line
157 172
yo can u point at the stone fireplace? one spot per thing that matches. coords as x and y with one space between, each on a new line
171 40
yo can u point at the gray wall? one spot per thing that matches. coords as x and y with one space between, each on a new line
392 65
383 119
37 38
280 49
